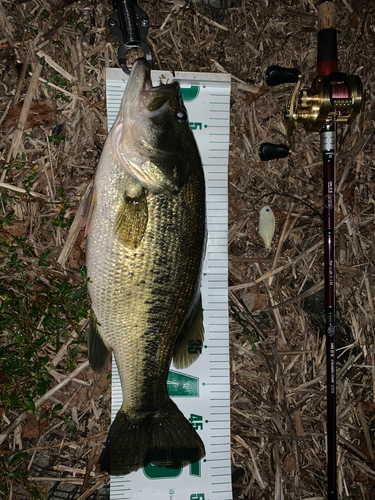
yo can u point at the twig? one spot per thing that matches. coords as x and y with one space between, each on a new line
48 59
17 189
24 114
213 23
93 488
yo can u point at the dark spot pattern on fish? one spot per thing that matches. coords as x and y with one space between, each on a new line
154 312
162 279
160 292
150 371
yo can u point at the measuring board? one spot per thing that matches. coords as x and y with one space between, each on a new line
202 391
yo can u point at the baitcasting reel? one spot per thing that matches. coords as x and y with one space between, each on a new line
336 96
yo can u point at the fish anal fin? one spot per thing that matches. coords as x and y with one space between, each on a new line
136 440
189 342
99 354
131 221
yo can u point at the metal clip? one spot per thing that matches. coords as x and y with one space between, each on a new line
129 25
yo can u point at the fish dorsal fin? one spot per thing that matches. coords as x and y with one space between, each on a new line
99 354
189 342
88 210
131 221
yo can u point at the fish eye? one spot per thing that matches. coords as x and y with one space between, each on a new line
181 116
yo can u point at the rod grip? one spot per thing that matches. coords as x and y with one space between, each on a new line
276 75
327 40
269 151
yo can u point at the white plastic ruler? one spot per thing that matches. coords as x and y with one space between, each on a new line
202 390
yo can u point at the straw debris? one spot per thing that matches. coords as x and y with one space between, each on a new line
53 55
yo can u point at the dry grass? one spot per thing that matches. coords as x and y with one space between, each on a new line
54 53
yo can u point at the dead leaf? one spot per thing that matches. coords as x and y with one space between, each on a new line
362 478
7 56
281 345
236 209
254 301
368 406
289 464
319 462
41 113
33 429
101 381
251 97
76 257
17 228
37 295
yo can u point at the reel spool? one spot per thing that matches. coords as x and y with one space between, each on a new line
336 96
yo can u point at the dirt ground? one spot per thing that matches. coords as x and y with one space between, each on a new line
53 56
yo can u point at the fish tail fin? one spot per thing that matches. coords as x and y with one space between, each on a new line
165 438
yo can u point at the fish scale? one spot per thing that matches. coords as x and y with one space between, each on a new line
126 290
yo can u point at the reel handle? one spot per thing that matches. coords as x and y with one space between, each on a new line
276 75
269 151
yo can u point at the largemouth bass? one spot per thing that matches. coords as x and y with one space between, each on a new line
145 245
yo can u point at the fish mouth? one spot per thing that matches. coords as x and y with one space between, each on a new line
149 97
140 76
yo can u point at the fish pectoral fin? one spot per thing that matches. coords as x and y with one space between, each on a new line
189 342
131 221
99 354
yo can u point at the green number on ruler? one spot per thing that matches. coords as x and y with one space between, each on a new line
195 469
195 125
189 94
196 421
168 463
179 384
195 346
155 472
197 496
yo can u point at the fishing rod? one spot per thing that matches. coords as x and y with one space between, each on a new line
333 98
